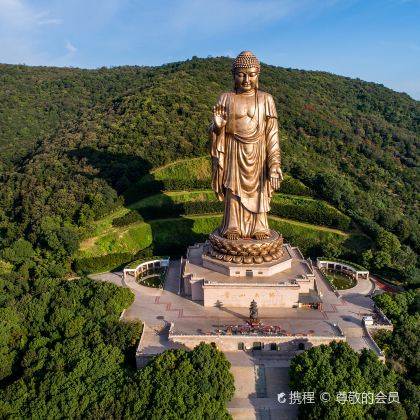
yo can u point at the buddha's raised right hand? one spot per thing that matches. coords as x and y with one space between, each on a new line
219 116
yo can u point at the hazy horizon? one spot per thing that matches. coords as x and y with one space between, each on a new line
376 41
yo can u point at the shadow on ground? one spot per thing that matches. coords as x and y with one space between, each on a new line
130 177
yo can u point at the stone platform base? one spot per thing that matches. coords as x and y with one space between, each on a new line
286 283
245 251
231 269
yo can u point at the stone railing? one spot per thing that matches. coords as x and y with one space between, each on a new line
342 266
383 316
339 329
146 265
295 248
290 343
380 353
140 362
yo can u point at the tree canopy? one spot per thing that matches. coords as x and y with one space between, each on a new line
337 369
75 142
65 354
402 345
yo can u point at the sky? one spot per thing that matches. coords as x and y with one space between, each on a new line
374 40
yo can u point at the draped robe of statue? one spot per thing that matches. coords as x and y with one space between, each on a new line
242 154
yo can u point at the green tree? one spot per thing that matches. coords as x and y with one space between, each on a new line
389 305
403 345
20 251
404 259
367 257
382 259
188 385
388 242
5 267
337 368
331 249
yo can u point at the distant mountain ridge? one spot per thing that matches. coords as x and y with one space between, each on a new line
35 101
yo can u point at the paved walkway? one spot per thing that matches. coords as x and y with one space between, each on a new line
172 277
384 286
157 306
162 306
347 309
258 379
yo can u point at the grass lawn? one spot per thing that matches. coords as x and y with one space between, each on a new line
278 221
153 278
197 168
153 281
340 281
186 169
173 197
112 240
106 244
306 209
100 225
200 169
170 235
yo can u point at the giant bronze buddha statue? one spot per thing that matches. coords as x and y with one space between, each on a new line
245 159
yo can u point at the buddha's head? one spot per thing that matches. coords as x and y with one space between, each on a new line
245 70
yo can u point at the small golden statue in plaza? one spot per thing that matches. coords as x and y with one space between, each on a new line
253 313
245 166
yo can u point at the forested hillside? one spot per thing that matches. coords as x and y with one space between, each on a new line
96 169
74 143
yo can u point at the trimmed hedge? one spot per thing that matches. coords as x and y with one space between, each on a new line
203 207
288 186
314 212
127 219
149 186
169 211
145 188
295 187
102 263
185 184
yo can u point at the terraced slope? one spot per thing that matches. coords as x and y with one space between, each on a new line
168 222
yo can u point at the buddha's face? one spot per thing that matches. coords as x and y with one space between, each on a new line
246 79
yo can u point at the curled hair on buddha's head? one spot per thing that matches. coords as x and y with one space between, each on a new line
245 60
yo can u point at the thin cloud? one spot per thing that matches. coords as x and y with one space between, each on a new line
13 13
222 16
9 8
71 49
16 15
23 30
50 21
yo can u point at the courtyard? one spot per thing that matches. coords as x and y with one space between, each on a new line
259 375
